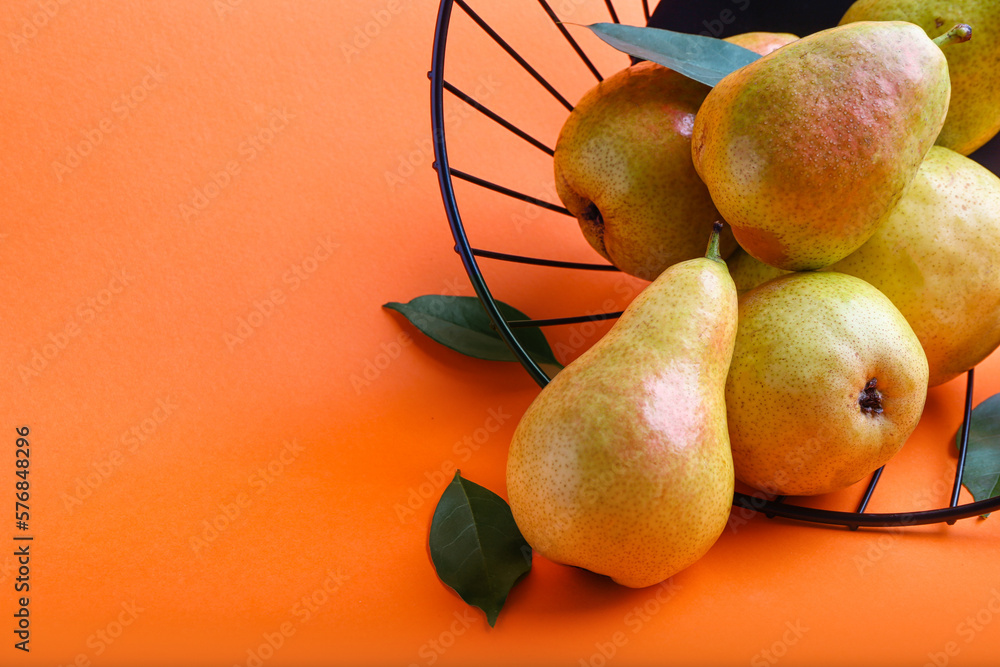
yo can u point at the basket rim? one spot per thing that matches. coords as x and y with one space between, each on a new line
770 508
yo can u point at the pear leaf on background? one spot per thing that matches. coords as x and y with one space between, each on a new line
461 323
476 547
704 59
981 475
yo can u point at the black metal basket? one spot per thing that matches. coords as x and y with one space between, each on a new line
505 327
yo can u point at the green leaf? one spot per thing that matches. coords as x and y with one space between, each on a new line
981 475
476 546
704 59
461 323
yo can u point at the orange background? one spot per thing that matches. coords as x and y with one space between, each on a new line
205 203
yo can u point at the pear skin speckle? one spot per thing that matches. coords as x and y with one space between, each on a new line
937 258
974 110
623 166
806 151
826 384
621 465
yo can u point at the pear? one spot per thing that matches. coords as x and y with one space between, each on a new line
937 258
826 383
806 150
623 166
974 112
748 272
762 42
621 465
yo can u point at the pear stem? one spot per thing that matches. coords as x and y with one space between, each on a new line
713 242
960 33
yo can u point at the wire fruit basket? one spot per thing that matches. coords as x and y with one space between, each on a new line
505 326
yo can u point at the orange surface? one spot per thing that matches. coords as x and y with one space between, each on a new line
225 427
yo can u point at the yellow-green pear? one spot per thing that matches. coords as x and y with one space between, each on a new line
806 150
937 258
974 112
762 42
826 383
748 272
621 465
623 166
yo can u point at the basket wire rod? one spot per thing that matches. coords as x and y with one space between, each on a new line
451 206
569 38
513 54
852 519
537 261
964 443
507 191
863 505
876 476
777 499
771 508
475 104
564 320
611 10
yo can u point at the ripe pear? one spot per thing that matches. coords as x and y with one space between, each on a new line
826 384
762 42
748 272
974 112
621 465
623 166
806 151
937 258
